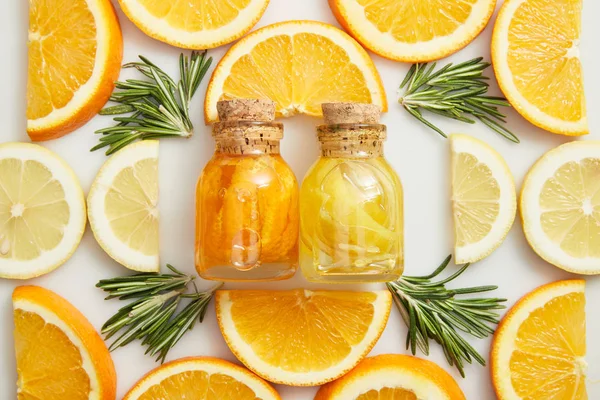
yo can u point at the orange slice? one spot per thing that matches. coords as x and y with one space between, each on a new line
413 30
201 378
393 377
301 337
195 24
299 65
539 348
75 50
535 53
60 355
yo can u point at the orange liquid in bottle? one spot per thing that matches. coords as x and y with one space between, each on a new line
247 218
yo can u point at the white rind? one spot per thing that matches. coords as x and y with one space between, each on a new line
87 90
158 376
508 198
355 53
391 377
48 260
504 342
541 171
163 30
245 353
385 44
505 77
103 232
50 318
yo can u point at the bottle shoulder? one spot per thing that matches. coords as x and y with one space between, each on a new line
261 170
373 168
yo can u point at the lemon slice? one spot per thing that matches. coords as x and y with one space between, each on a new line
122 206
560 207
42 211
539 347
201 378
535 54
59 354
301 337
484 201
393 377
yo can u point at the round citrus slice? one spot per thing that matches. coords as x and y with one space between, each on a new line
299 65
42 211
539 347
123 206
541 74
59 353
75 49
393 377
301 337
195 24
413 30
484 201
560 207
194 377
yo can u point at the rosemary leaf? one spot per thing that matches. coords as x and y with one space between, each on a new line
158 107
152 316
431 311
456 92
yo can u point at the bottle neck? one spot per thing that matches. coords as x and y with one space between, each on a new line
352 140
247 137
247 146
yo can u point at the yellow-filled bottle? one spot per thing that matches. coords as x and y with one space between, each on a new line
351 202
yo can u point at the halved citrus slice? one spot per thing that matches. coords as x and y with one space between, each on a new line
75 49
195 24
42 211
484 201
299 65
123 206
560 207
539 347
393 377
201 378
301 337
60 355
413 30
535 53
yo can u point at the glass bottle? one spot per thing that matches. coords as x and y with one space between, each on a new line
247 217
351 202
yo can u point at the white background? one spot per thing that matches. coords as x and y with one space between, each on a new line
420 156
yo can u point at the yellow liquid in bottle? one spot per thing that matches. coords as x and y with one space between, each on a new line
351 214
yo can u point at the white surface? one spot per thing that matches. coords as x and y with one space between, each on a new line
419 155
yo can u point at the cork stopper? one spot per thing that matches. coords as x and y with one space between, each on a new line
351 130
247 127
246 110
350 113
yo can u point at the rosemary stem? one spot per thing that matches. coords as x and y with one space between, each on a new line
454 91
152 316
432 311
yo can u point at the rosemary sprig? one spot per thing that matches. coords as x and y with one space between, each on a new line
433 312
157 107
454 91
152 316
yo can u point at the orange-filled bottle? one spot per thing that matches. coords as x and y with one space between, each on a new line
247 213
